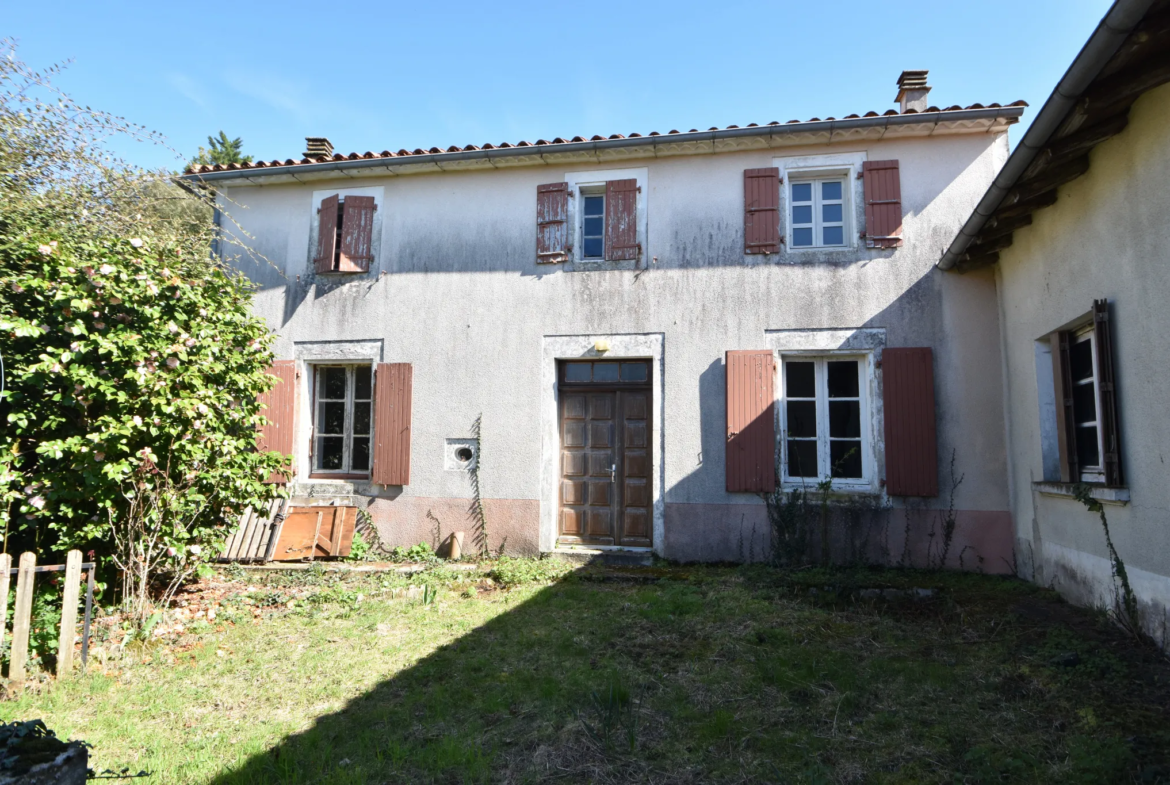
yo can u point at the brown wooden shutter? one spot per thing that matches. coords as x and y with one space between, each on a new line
883 204
751 422
281 402
1066 424
326 234
1107 389
911 440
761 210
552 223
392 403
621 220
357 234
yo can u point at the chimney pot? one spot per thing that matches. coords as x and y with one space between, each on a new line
912 91
318 147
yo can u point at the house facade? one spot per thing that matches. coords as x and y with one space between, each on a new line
1074 230
621 343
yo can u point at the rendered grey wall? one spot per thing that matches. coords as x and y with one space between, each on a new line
457 293
1106 237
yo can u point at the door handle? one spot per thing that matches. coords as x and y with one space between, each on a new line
613 473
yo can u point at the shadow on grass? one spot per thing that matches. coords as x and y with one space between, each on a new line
728 676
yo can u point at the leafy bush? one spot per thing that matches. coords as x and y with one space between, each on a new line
512 571
421 553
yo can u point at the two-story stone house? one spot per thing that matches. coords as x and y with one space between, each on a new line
623 341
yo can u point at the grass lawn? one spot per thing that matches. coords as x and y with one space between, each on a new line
670 675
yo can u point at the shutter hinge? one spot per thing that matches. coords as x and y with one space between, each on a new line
639 189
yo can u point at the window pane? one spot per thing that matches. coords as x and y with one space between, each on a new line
594 205
846 458
360 460
800 380
834 235
831 213
802 458
802 192
361 418
593 227
845 419
1080 360
802 237
333 383
831 191
593 248
802 214
363 383
802 419
605 372
329 450
1087 454
1084 403
634 372
577 372
331 417
843 379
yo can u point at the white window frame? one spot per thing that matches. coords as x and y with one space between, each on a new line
592 182
347 430
1095 474
818 224
586 191
824 463
845 166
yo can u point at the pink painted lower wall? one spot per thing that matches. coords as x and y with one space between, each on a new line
981 540
513 524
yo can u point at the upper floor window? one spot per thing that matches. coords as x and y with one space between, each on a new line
595 217
343 419
593 223
818 212
345 234
824 409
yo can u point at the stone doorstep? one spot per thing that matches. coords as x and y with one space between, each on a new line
613 557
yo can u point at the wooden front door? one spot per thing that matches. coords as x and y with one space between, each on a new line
606 481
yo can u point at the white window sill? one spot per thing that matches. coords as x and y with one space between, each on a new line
1098 492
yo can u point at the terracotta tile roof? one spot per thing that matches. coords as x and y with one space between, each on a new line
560 140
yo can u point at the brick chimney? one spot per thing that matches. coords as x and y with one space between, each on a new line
320 147
912 91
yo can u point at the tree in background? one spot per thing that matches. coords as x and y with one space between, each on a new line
132 361
222 150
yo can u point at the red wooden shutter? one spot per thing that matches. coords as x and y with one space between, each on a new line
281 402
552 223
1066 423
761 210
357 234
392 399
621 220
911 440
751 422
326 234
883 204
1107 388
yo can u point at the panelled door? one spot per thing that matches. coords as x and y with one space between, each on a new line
605 489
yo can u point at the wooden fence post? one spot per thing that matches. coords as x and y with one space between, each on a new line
69 615
5 578
22 617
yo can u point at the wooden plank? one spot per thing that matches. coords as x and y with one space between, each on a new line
69 614
5 578
22 618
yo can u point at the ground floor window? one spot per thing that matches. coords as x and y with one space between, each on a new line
823 412
343 419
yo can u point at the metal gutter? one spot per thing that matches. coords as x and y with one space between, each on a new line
1112 31
788 129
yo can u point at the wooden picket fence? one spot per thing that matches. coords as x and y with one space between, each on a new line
22 612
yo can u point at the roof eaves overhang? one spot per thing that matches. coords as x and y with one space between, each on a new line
1125 56
983 120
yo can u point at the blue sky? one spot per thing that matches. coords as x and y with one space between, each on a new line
375 76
